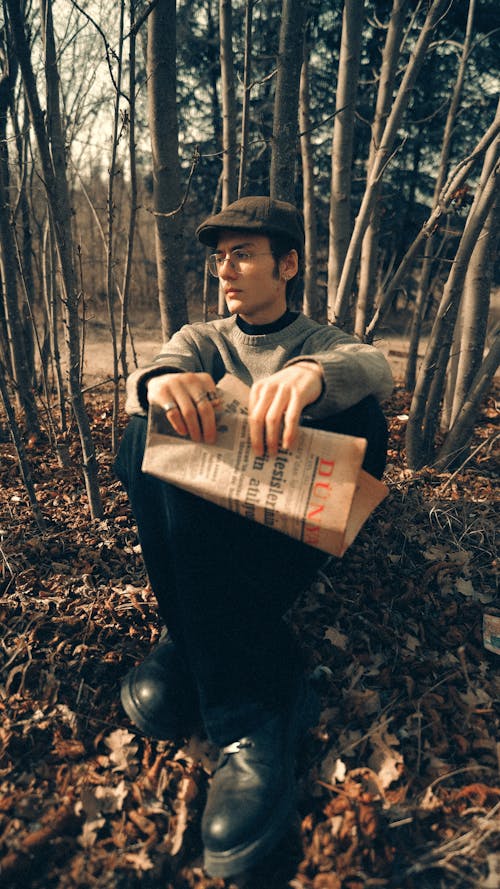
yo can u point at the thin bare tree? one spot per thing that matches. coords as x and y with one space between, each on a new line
340 219
229 129
474 310
457 442
426 403
457 178
425 272
313 305
49 134
382 157
369 249
18 356
24 467
245 108
114 171
167 192
132 156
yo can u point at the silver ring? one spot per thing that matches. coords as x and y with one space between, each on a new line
169 406
205 396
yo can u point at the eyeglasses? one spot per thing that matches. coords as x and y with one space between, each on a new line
237 259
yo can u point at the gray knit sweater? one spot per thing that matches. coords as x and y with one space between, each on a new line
351 369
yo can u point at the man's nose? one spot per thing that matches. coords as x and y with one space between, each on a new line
227 268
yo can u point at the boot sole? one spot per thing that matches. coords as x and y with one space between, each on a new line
244 857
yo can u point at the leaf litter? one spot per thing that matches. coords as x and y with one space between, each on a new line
399 783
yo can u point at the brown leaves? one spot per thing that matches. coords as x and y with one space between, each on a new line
402 772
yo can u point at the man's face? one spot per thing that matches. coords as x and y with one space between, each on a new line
255 288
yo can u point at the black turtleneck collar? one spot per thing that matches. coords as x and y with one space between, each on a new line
256 329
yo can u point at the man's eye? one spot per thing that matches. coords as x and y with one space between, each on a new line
241 256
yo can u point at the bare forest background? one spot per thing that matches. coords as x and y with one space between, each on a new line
121 127
119 133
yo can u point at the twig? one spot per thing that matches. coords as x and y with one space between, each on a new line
466 845
194 163
16 864
473 453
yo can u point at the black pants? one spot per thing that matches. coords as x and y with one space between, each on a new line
223 582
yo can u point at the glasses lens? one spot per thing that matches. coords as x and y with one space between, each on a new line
213 268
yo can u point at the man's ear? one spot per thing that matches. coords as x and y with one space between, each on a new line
289 265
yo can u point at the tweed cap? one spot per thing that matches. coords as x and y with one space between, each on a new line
258 214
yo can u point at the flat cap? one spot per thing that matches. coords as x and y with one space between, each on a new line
259 214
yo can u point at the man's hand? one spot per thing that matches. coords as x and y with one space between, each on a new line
276 403
188 401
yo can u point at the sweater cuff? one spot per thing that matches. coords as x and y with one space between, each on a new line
136 401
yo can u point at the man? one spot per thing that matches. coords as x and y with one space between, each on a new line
223 583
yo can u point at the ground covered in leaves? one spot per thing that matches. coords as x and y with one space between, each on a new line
399 784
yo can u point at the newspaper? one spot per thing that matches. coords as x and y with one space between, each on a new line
316 492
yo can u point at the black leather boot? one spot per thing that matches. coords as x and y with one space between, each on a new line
252 793
159 696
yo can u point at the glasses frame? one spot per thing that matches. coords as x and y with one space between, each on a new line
215 261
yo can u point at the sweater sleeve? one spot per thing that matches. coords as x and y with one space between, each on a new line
179 355
351 371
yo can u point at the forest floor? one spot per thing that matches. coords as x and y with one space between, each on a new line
399 783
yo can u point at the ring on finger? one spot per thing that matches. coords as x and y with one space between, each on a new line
206 396
169 406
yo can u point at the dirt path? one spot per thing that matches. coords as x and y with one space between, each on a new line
99 358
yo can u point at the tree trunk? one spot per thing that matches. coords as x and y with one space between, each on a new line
469 343
455 181
127 273
381 159
369 249
458 438
49 284
245 110
229 129
313 307
19 362
422 424
163 126
113 171
24 466
340 221
26 249
425 272
50 143
475 307
286 101
229 166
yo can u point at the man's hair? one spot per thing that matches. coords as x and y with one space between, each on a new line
281 246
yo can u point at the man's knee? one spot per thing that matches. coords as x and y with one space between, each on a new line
131 451
363 420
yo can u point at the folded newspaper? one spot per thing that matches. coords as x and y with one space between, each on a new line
316 492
